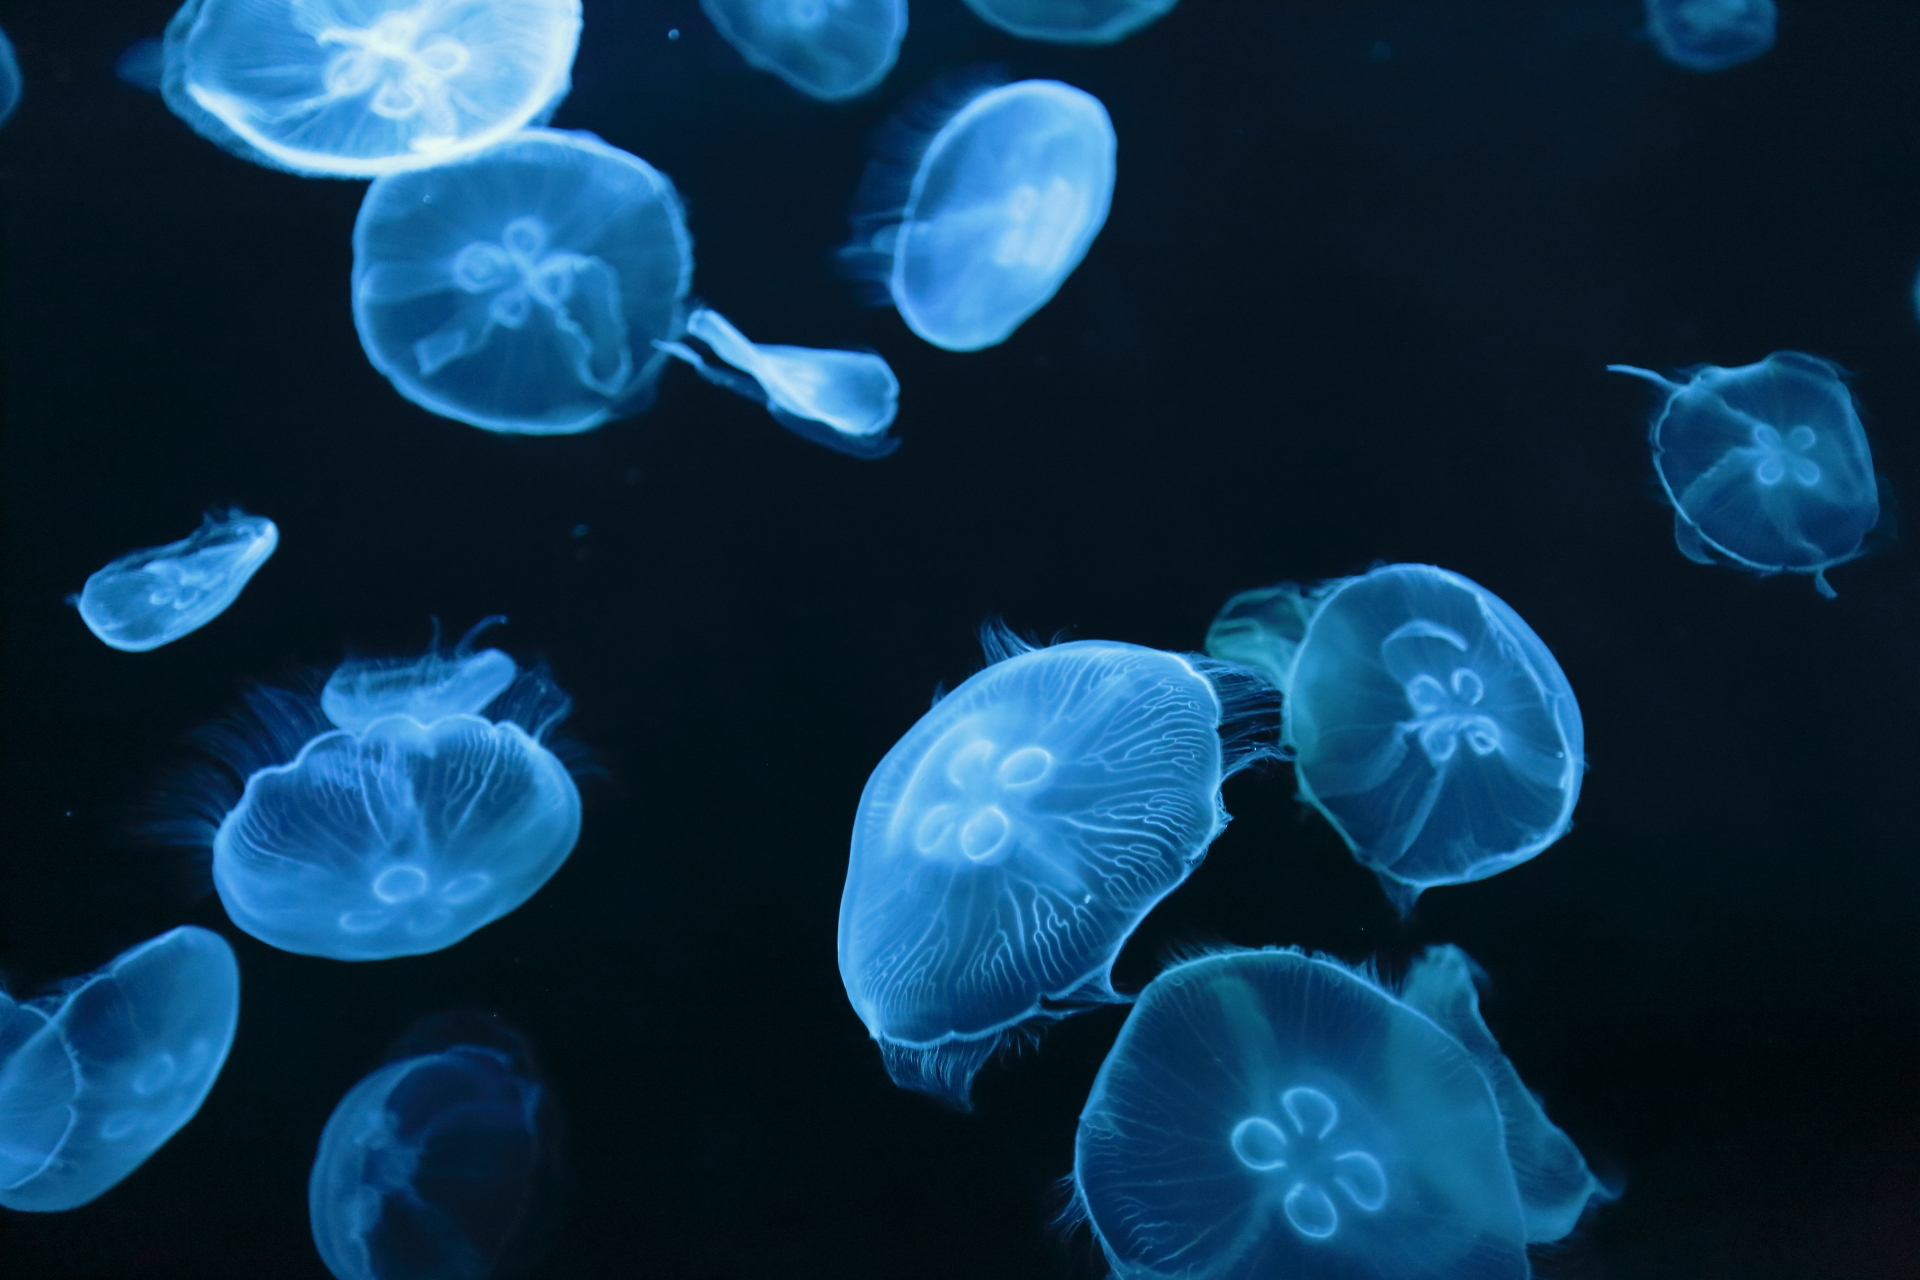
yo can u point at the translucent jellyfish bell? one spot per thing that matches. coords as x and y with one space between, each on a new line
827 49
1711 35
1071 21
95 1079
154 596
426 689
11 82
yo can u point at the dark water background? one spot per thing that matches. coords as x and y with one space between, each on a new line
1365 264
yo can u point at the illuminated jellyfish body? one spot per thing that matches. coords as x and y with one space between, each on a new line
1425 719
11 83
1711 35
154 596
426 689
1766 465
359 88
979 228
1071 21
1269 1113
96 1078
1006 847
827 49
522 289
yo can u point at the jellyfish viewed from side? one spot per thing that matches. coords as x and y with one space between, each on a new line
1071 21
12 84
1766 465
1711 35
427 688
153 596
827 49
95 1078
1425 719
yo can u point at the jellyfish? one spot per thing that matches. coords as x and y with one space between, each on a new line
1426 721
94 1079
427 689
522 289
359 88
1766 465
1071 21
142 65
983 222
153 596
1006 847
11 83
827 49
1711 35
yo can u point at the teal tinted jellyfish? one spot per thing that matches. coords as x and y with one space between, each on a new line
12 84
427 688
1711 35
95 1078
1767 465
153 596
1426 720
1270 1113
1071 21
827 49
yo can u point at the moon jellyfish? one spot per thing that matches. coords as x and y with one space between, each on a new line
426 689
1711 35
1071 21
522 289
95 1078
153 596
827 49
1006 847
1270 1113
11 82
1766 465
142 65
1425 720
976 228
358 88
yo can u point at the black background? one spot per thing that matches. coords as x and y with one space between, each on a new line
1364 266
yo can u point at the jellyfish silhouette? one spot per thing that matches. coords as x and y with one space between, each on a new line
1071 21
1006 847
1270 1113
11 83
1425 720
153 596
1766 465
1711 35
973 229
827 49
95 1078
359 88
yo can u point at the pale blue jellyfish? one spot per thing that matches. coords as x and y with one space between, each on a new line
153 596
1071 21
1766 465
978 227
142 65
1425 719
427 689
1711 35
827 49
11 82
359 88
522 289
94 1079
1008 844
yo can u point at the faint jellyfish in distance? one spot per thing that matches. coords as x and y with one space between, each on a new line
153 596
1071 21
827 49
142 64
1711 35
12 84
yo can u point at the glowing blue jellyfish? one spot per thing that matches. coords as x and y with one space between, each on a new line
426 689
983 225
96 1078
1766 465
1269 1113
154 596
11 83
1711 35
358 88
1009 843
522 289
142 65
1071 21
1425 719
828 49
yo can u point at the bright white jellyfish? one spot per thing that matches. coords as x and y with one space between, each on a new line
358 88
1071 21
1425 719
11 83
1270 1113
154 596
522 289
1009 843
96 1078
827 49
986 220
1766 465
1711 35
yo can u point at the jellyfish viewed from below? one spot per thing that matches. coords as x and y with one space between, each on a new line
1270 1113
1425 719
522 289
1711 35
95 1078
1766 465
1071 21
359 88
11 82
827 49
153 596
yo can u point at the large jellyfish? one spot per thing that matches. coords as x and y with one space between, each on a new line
11 82
95 1078
358 88
1270 1113
1071 21
1711 35
153 596
1766 465
827 49
522 289
973 230
1425 720
1009 843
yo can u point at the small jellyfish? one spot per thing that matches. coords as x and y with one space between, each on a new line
427 688
1766 465
154 596
1071 21
142 65
981 224
359 88
1711 35
522 289
1007 846
1425 720
11 83
1269 1113
827 49
95 1078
